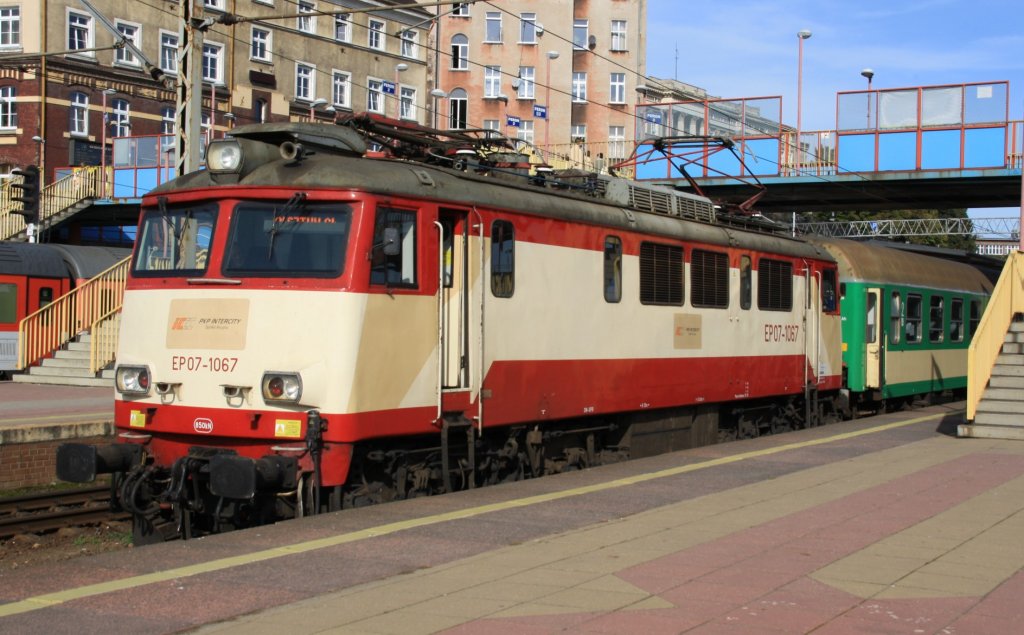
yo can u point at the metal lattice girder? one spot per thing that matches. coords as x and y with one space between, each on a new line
1008 228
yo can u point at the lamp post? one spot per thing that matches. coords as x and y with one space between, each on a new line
867 72
552 55
801 36
313 105
400 67
437 93
103 142
230 118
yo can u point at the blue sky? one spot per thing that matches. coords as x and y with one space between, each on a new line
749 48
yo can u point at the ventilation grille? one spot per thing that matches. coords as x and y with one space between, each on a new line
655 199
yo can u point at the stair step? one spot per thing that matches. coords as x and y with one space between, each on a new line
998 419
57 371
995 393
85 346
1007 381
981 431
1013 348
63 381
65 362
1008 370
1012 337
1011 406
66 354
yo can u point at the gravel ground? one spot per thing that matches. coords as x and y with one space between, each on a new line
29 550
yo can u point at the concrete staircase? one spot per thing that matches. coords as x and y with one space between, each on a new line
1000 412
69 366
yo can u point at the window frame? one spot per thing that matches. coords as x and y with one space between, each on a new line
123 56
386 216
458 109
617 89
305 23
376 30
914 318
580 33
264 44
579 87
956 319
527 83
612 269
936 319
492 27
618 39
503 259
10 27
78 114
409 45
87 29
346 85
168 63
305 81
375 95
460 52
528 28
217 61
343 25
407 108
492 82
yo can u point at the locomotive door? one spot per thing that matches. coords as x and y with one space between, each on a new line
454 302
873 338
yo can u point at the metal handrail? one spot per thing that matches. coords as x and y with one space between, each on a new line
103 343
55 324
1007 299
83 183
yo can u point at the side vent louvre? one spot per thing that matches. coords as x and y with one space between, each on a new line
655 199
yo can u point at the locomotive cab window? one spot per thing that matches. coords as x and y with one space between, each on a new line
913 322
661 274
273 240
956 320
828 290
503 259
709 279
936 327
612 269
175 241
393 255
774 285
746 282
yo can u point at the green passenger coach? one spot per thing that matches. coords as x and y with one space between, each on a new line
907 321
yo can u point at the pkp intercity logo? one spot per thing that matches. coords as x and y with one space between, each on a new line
183 324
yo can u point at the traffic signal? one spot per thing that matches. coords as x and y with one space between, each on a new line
29 196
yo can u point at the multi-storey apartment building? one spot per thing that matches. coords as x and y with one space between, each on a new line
559 74
66 90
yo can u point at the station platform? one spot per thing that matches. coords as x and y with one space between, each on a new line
881 525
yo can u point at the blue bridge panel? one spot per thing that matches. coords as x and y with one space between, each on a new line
767 148
897 151
940 149
856 153
724 163
984 148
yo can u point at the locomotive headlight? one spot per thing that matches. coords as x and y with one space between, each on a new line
282 387
224 155
132 380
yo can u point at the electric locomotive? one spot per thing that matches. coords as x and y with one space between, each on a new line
310 325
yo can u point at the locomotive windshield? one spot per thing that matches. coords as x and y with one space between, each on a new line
175 240
271 240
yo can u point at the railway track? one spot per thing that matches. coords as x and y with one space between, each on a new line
47 511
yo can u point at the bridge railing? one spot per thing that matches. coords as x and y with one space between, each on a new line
79 185
1007 299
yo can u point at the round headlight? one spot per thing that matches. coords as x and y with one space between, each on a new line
282 387
224 155
132 380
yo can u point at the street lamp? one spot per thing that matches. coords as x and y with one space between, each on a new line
103 142
437 93
230 117
867 72
552 55
313 105
801 36
401 66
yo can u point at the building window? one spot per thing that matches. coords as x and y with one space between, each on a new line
259 111
661 274
374 95
131 33
458 109
616 143
709 279
460 10
460 52
579 87
213 62
612 269
10 26
375 34
80 32
528 28
527 85
341 89
342 30
913 322
120 118
260 44
936 328
774 285
78 114
167 120
397 270
492 81
407 103
304 82
492 125
503 259
493 32
617 88
306 23
214 4
578 133
169 52
525 131
580 34
8 108
618 35
409 47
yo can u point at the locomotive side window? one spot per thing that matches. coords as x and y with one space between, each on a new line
393 256
709 279
612 269
8 303
913 324
975 316
175 240
956 320
828 290
936 328
774 285
746 282
661 274
503 259
895 316
269 240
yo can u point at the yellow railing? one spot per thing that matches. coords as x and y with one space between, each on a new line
592 156
54 325
56 197
103 343
1007 299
